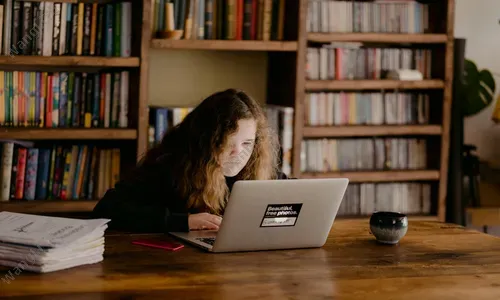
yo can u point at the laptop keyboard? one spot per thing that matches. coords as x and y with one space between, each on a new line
209 241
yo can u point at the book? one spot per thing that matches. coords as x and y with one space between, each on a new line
46 244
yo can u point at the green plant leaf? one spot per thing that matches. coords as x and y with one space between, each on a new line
478 88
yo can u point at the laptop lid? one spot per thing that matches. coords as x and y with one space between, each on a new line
279 214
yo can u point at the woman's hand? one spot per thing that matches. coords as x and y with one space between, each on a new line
204 221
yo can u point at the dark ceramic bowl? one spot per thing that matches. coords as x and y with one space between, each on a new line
388 227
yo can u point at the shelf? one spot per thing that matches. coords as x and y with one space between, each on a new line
397 38
229 45
69 61
48 206
59 1
20 133
75 1
370 130
319 85
378 176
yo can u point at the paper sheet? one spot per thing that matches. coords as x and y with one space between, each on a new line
42 231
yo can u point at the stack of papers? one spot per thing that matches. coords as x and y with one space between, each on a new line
46 244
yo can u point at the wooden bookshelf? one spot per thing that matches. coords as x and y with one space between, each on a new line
229 45
69 61
378 176
67 134
370 130
383 84
48 206
438 39
394 38
130 139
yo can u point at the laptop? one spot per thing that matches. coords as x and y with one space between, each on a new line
272 215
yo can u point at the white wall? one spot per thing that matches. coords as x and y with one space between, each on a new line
185 77
478 22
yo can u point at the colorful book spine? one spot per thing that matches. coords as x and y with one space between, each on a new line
31 174
43 170
3 104
63 103
56 81
20 174
109 51
7 154
38 97
66 175
13 174
96 96
51 172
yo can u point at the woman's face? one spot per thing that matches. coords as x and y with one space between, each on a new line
239 148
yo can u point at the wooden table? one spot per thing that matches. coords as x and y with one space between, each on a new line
433 261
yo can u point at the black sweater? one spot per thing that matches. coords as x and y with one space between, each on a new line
147 202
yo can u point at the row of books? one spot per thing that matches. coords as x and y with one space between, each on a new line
342 61
381 16
161 119
346 108
49 28
64 99
362 199
59 172
349 154
218 19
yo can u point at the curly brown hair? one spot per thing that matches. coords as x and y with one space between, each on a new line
197 142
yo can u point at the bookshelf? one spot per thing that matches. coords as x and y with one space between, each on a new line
437 38
112 110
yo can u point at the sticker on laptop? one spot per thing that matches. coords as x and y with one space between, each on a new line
281 215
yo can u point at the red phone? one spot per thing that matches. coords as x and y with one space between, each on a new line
166 245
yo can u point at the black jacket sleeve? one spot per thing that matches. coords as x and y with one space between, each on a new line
144 203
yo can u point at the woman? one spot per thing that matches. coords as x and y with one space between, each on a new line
183 184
